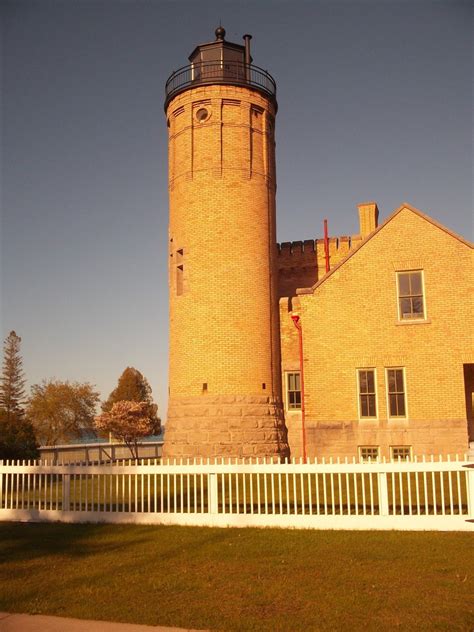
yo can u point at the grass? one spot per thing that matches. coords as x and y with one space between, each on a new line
240 579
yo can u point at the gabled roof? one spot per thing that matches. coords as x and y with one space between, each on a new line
408 207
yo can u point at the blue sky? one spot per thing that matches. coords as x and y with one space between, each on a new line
375 103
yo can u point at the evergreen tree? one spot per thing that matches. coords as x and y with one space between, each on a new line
133 387
17 436
12 383
17 439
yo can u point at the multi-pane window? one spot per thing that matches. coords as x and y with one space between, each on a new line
367 397
368 452
293 390
396 393
410 295
400 452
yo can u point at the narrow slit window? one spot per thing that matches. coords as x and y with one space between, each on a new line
179 280
367 395
179 272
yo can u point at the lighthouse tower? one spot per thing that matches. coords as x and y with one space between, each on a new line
224 368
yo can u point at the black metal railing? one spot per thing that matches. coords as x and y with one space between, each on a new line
223 72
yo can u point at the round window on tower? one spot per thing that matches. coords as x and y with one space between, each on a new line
202 114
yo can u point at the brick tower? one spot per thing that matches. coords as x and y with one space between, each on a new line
224 370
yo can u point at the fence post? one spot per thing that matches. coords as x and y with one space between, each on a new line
383 494
66 492
212 499
470 491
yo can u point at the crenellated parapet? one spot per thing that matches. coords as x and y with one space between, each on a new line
303 263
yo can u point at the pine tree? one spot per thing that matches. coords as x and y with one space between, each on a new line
17 436
12 382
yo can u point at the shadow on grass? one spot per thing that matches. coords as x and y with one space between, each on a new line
238 579
27 541
93 571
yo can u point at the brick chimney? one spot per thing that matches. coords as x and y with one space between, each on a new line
368 218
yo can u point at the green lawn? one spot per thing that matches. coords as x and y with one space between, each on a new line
240 579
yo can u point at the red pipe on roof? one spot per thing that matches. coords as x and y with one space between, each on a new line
326 244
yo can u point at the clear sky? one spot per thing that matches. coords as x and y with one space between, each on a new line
375 103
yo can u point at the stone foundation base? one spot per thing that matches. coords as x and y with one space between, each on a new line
332 439
225 426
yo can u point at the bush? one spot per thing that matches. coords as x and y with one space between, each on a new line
17 438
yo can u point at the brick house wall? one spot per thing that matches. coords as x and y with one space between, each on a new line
350 321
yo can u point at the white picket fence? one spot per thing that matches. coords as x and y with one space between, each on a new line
434 495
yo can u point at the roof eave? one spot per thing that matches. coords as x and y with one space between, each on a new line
310 290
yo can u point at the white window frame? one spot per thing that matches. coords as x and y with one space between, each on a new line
359 412
399 316
372 447
387 394
287 399
410 452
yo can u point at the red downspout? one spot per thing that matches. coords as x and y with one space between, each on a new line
296 321
326 244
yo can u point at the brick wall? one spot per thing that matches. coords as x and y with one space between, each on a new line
224 332
303 263
350 321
